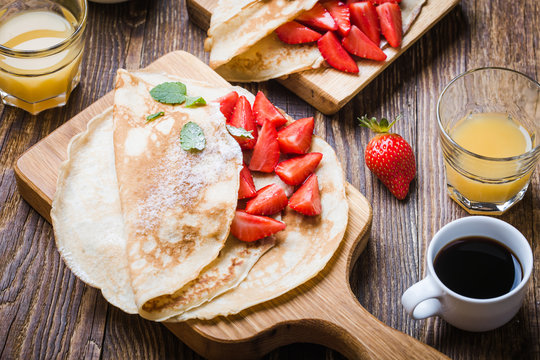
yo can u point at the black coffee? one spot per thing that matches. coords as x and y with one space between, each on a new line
478 267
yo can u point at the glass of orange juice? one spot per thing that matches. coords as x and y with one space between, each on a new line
41 45
489 128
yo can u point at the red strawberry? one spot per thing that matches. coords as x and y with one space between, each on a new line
243 117
294 171
307 199
296 137
389 157
357 43
266 152
296 33
341 15
264 110
379 2
391 26
335 55
364 15
318 18
227 103
269 200
247 227
247 187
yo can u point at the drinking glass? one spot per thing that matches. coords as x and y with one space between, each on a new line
41 45
484 184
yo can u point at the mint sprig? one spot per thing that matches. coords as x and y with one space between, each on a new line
192 137
153 117
169 93
239 132
192 101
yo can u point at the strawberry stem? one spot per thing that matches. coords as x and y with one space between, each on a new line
377 126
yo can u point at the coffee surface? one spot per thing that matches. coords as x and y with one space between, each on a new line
478 267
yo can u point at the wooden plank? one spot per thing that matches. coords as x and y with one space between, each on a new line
328 89
36 172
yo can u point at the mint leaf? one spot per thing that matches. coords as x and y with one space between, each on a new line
192 101
192 137
153 117
240 132
169 93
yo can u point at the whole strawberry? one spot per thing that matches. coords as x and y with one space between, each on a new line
389 157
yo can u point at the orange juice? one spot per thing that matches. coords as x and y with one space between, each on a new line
42 81
491 135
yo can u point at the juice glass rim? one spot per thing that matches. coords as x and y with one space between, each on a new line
459 147
56 47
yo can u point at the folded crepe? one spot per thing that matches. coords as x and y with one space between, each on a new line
243 46
91 234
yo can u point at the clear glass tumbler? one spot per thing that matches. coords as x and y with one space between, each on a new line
41 45
489 124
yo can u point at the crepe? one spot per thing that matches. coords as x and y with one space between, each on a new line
89 227
268 57
303 249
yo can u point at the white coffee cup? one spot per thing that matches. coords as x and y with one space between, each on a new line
430 297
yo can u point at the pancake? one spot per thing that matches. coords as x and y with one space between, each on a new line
269 57
303 248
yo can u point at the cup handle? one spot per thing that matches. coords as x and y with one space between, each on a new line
421 300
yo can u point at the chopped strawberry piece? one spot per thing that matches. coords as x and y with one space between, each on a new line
296 33
243 117
379 2
364 15
335 55
307 199
391 26
319 18
296 137
266 152
357 43
227 103
247 187
265 111
341 15
247 227
269 200
294 171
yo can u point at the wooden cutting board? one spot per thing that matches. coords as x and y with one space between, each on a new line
324 310
327 89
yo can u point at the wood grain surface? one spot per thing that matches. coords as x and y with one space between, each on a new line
47 313
328 89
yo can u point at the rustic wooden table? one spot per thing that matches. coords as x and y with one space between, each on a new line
46 312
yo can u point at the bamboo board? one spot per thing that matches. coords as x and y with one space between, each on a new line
327 89
324 310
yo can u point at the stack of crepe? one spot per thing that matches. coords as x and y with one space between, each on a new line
244 47
147 222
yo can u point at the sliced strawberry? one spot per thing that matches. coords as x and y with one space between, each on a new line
364 15
247 187
391 26
227 103
341 15
379 2
357 43
269 200
247 227
263 110
266 152
319 18
296 138
307 199
335 55
296 33
294 171
243 117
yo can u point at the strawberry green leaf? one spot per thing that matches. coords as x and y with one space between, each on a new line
169 93
192 137
239 132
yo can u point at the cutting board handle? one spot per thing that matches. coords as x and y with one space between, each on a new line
350 329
